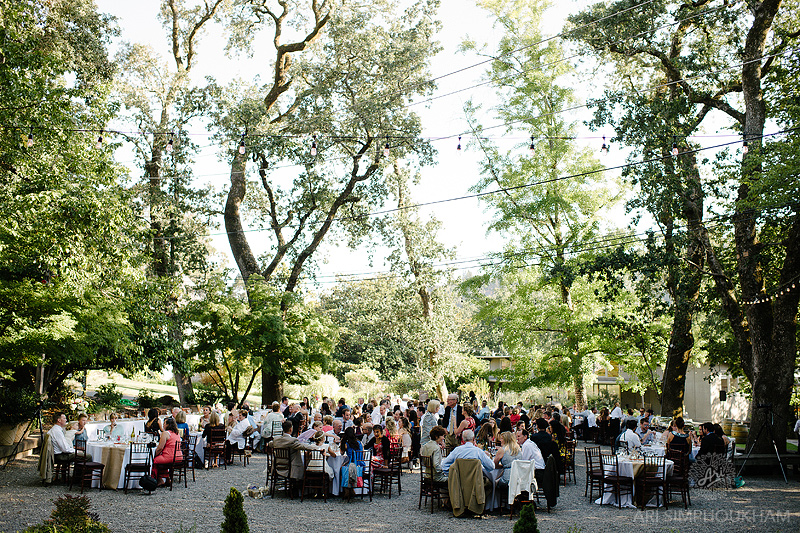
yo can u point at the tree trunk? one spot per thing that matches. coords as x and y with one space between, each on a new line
580 392
185 390
271 387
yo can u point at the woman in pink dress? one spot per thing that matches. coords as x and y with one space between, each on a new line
165 451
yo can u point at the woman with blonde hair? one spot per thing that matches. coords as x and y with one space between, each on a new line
506 454
391 431
429 420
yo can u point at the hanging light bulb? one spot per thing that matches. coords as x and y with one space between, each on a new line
170 144
242 148
386 148
532 146
29 143
674 149
99 144
314 145
459 143
744 147
604 148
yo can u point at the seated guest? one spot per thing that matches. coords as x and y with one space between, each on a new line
317 442
514 416
366 432
529 451
646 436
392 432
629 437
165 452
81 435
62 448
468 450
433 449
337 428
114 430
721 434
232 418
206 418
486 435
237 438
327 423
485 413
153 424
180 421
213 423
380 446
350 444
294 446
543 439
677 438
710 441
507 454
274 416
307 434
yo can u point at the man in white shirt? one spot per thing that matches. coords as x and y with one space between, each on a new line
616 412
284 403
267 425
237 437
529 451
62 449
379 414
630 436
468 450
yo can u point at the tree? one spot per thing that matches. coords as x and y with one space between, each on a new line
67 236
758 33
234 340
554 220
160 100
350 90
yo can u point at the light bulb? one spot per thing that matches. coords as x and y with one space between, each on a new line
314 146
386 148
533 146
242 148
604 148
459 143
170 146
99 144
744 147
30 140
674 149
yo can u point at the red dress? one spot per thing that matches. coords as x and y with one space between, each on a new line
167 454
470 425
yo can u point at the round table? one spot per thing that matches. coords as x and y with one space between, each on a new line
629 468
115 456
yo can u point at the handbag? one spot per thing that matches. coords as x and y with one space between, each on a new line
148 482
249 431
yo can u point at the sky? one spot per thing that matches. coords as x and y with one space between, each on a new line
464 222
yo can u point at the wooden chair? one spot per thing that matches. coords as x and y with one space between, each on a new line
678 482
391 473
189 453
281 460
594 471
613 481
428 486
215 447
569 462
86 470
61 469
139 463
654 479
314 475
243 453
364 458
170 468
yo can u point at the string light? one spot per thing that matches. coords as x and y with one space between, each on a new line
674 147
386 148
533 146
242 148
459 143
774 297
744 147
604 148
99 144
29 143
314 145
170 145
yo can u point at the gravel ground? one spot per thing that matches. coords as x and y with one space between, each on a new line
764 503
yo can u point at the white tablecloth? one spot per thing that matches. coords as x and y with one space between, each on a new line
95 450
626 470
660 450
127 424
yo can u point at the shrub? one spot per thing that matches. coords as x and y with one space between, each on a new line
527 522
108 395
25 402
146 400
71 515
167 401
235 517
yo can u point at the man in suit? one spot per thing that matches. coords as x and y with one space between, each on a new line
295 446
710 441
453 416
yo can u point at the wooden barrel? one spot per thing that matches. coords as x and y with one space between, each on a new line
727 423
739 432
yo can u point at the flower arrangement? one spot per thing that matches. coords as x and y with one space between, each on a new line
79 404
